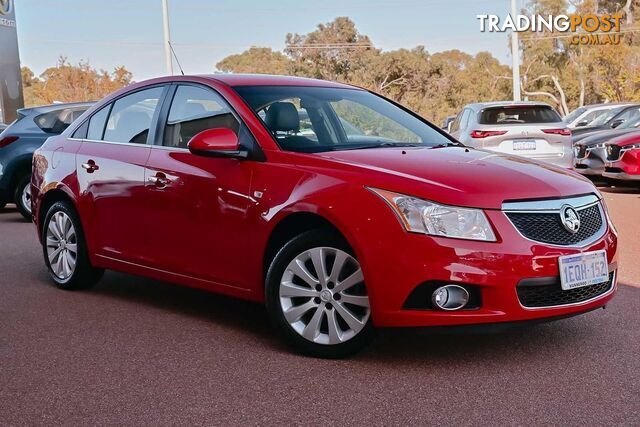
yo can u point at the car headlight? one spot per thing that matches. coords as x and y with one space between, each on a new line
422 216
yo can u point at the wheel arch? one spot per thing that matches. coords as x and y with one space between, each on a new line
291 225
48 199
20 167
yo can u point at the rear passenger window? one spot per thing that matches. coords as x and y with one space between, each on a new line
97 123
131 117
193 110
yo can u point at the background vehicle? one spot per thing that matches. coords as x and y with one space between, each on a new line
212 182
529 129
590 150
623 158
583 116
447 122
20 140
611 120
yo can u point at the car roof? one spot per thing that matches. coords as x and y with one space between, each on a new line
53 107
608 104
482 105
273 80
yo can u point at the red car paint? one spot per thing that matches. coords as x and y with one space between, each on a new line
623 163
210 230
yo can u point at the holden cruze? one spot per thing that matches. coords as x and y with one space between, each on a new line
339 209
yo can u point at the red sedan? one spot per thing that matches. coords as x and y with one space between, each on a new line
337 208
623 158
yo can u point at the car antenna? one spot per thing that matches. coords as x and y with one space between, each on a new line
176 56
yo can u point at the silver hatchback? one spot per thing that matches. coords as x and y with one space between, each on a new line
528 129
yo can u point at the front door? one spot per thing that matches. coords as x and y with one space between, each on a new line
198 205
110 168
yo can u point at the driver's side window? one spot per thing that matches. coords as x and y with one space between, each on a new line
193 110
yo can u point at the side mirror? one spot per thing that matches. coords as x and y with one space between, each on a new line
616 123
582 123
217 142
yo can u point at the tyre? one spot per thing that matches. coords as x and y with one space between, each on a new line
22 196
316 296
65 250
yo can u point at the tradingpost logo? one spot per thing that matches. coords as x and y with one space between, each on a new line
590 29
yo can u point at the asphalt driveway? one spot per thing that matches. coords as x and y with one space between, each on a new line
137 351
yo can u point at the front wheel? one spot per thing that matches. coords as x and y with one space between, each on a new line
22 196
65 250
316 296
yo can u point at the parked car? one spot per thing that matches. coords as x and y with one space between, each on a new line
591 151
613 119
583 116
20 140
179 178
447 122
623 158
529 129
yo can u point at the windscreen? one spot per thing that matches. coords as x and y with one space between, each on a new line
606 118
519 114
57 121
574 115
316 119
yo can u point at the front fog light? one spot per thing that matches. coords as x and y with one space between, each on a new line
450 297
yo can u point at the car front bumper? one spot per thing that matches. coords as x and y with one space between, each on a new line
593 162
494 269
626 168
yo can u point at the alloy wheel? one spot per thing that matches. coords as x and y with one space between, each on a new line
323 297
25 197
62 245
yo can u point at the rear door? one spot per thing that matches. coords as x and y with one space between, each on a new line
110 169
198 205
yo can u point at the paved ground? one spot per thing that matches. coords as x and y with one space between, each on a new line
135 351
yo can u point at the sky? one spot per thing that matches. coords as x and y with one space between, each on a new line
110 33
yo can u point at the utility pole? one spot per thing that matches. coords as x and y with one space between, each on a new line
515 56
167 37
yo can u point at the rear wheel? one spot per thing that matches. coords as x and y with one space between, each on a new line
65 250
22 196
316 296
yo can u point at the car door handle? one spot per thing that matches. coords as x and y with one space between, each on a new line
90 166
159 180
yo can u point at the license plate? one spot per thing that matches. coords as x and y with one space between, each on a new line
524 145
585 269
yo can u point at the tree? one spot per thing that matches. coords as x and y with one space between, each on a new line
258 60
72 83
440 84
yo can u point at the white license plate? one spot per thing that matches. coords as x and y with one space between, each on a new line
585 269
524 145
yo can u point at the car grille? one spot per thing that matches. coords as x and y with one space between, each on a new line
613 152
550 295
546 227
581 151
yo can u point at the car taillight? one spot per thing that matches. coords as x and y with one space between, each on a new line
486 133
563 132
7 140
